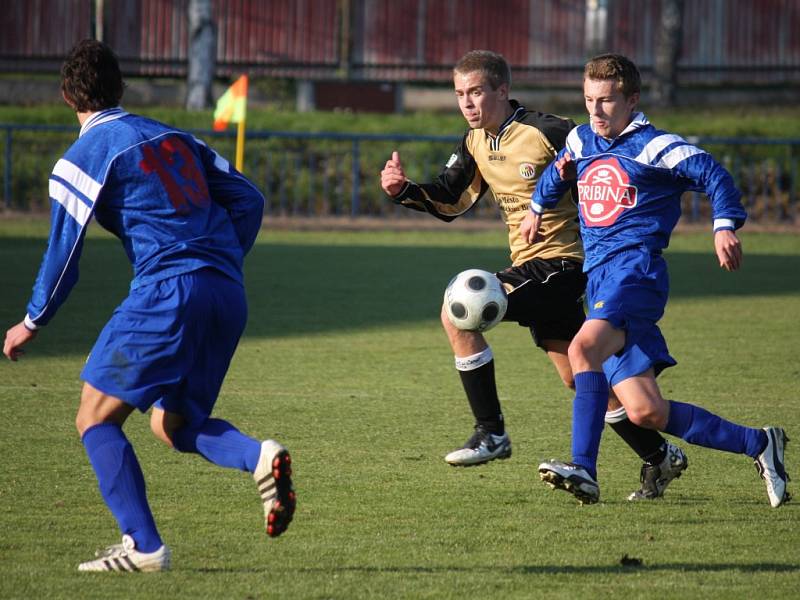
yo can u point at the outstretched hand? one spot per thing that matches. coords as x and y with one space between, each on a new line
393 178
16 337
729 249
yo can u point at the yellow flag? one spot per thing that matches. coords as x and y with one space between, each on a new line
232 105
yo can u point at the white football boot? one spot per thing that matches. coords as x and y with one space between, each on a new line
273 476
571 478
480 448
126 558
769 465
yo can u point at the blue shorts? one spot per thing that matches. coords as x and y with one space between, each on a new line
170 343
630 291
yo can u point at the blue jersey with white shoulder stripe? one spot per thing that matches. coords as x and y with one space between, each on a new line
175 204
629 188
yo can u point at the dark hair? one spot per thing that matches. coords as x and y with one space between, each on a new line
90 77
617 67
491 64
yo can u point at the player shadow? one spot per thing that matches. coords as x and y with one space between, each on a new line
295 289
632 566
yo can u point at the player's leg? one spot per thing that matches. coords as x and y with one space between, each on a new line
596 340
216 440
214 319
99 422
662 461
646 406
475 365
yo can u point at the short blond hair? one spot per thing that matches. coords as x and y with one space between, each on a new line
616 67
491 65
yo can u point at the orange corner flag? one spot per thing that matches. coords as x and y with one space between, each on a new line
232 105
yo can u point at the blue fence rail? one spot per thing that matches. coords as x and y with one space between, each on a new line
337 174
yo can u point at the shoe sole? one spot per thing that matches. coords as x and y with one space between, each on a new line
282 511
501 456
559 482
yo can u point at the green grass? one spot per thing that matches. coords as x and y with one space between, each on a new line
344 361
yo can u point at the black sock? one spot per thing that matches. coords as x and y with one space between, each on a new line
649 444
481 392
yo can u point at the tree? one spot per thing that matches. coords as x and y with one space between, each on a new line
667 53
202 55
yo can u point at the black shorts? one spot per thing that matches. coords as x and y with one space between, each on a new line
547 297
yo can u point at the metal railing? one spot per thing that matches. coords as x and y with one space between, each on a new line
337 174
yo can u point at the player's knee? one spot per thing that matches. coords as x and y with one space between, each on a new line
88 416
650 416
82 423
578 354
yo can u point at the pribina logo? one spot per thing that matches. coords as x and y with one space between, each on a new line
604 192
527 170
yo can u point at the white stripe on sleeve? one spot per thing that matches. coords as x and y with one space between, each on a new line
673 157
574 143
79 179
654 147
74 206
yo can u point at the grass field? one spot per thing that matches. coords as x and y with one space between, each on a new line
344 361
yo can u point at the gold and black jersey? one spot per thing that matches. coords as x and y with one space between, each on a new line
508 165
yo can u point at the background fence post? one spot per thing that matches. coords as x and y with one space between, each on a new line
356 174
7 174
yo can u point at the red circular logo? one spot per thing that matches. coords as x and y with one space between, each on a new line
604 192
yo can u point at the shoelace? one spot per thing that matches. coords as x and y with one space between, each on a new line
112 550
480 436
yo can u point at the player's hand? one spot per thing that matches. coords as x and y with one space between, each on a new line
529 228
566 167
393 178
16 337
729 249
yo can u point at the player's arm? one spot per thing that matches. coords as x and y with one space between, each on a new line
235 193
454 191
556 180
705 174
58 272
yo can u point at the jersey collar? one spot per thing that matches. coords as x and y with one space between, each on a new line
100 117
494 140
637 122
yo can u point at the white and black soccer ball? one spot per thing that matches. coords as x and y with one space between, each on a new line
475 300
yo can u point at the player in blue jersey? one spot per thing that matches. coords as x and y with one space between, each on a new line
501 155
186 219
630 178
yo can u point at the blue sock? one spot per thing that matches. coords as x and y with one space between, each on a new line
702 428
219 442
121 483
588 418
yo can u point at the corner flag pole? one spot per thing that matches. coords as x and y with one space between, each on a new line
240 147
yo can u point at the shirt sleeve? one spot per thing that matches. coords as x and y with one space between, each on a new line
455 190
58 272
236 194
703 173
550 187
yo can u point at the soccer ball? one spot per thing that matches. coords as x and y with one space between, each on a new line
475 300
